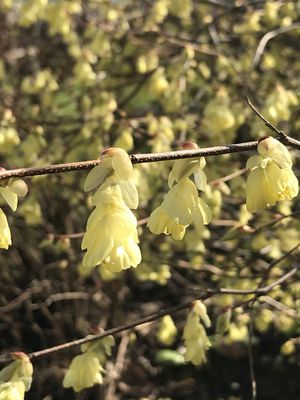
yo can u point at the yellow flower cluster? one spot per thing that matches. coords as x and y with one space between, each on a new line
9 193
85 369
111 236
16 378
271 178
182 205
195 338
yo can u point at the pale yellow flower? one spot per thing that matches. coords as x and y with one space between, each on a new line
5 237
12 390
16 378
195 340
111 236
113 161
180 208
185 167
19 370
167 331
84 371
161 222
271 178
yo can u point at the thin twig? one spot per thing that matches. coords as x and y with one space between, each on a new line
267 37
117 368
228 177
276 221
153 317
268 124
250 354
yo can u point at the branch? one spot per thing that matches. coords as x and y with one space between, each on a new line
267 123
145 158
267 37
153 317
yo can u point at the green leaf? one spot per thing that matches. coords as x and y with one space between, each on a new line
167 356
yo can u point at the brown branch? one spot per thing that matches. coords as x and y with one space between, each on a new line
268 124
144 158
267 37
153 317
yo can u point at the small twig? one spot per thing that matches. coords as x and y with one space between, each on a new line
250 354
267 37
280 306
153 317
228 177
66 296
117 369
276 262
268 124
274 222
16 303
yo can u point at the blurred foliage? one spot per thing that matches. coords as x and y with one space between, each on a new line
77 76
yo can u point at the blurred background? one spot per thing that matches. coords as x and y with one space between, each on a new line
78 76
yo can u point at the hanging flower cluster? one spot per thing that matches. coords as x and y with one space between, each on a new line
111 236
16 378
271 178
9 192
182 204
195 338
86 369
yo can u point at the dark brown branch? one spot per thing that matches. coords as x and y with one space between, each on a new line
144 158
268 123
153 317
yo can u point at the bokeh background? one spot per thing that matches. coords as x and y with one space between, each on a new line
78 76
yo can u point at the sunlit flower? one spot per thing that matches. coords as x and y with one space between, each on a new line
271 178
161 222
185 167
115 169
111 236
12 390
5 237
167 331
180 208
84 371
19 370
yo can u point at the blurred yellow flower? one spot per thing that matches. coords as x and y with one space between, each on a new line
195 340
5 237
167 331
271 178
12 390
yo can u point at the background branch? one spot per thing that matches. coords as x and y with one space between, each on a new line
153 317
